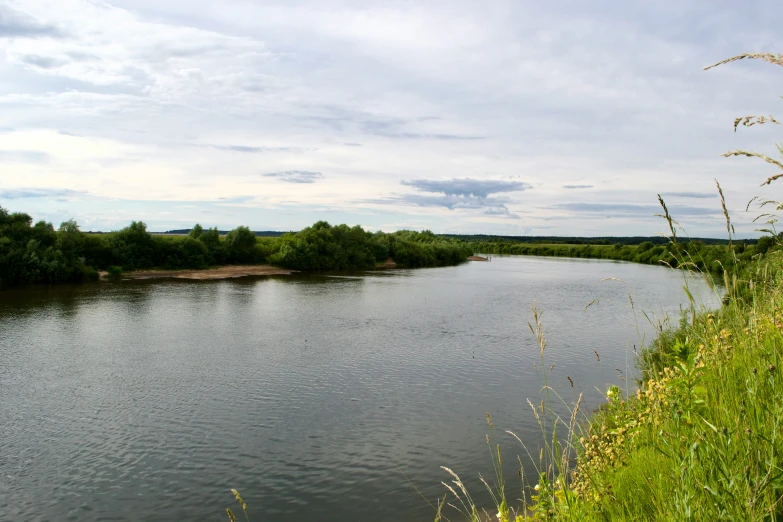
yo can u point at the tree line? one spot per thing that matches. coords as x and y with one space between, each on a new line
39 253
695 254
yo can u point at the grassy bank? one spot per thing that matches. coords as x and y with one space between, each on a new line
701 438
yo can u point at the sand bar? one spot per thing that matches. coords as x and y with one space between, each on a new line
223 272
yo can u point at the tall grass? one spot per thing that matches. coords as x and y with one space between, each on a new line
702 436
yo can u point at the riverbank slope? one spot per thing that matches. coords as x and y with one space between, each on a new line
701 438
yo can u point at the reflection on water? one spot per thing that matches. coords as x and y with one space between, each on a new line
315 396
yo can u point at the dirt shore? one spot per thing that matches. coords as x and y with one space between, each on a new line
223 272
477 258
389 263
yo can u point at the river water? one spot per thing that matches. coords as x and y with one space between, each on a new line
320 398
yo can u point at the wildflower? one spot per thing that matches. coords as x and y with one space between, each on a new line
538 486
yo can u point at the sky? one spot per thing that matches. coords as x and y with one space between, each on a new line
498 117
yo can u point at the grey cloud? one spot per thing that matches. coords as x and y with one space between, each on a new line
468 187
450 202
26 193
43 62
698 195
625 209
352 144
246 148
296 176
577 186
16 24
392 129
23 156
242 148
501 211
341 119
445 137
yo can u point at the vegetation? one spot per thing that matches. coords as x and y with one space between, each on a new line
700 439
40 254
712 258
702 436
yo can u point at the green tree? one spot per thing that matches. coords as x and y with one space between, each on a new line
196 232
241 245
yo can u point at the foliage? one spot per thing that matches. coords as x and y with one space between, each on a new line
700 439
40 254
326 247
712 258
420 249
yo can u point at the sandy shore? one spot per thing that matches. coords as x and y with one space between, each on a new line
223 272
389 263
477 258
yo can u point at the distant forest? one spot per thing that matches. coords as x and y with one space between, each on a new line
185 231
555 240
602 240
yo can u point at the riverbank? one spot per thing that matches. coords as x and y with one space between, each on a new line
700 439
702 435
222 272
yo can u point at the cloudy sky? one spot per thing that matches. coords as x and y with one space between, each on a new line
499 117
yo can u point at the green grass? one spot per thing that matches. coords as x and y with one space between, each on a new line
701 438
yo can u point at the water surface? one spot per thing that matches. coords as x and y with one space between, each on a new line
321 398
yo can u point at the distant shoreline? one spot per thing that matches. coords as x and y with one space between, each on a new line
222 272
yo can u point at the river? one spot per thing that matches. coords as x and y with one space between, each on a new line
319 397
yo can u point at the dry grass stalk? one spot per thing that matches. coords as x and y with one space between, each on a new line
776 59
538 330
761 156
750 121
771 179
535 412
668 218
457 480
753 155
729 226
